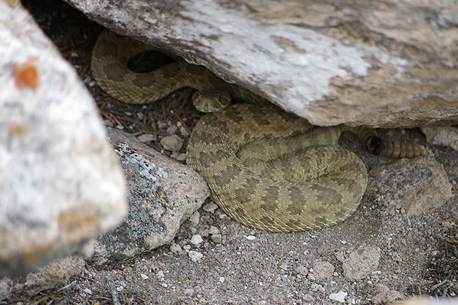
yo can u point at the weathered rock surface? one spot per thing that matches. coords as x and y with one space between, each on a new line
445 136
322 270
417 185
60 182
361 262
380 64
162 194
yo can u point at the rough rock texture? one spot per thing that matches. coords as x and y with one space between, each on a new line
162 194
361 262
446 136
419 185
377 63
322 270
60 182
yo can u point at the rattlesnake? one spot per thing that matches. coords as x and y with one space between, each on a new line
266 168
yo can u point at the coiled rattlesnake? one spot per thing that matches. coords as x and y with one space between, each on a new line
265 168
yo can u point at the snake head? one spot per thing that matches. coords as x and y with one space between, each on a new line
211 101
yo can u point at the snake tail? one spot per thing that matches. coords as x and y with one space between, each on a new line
386 148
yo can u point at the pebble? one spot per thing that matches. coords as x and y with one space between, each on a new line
210 207
317 287
361 263
184 132
144 276
339 296
175 248
162 125
181 157
251 237
187 247
172 130
195 218
284 266
172 143
213 230
196 240
385 295
302 270
308 298
147 137
216 238
195 256
160 275
322 270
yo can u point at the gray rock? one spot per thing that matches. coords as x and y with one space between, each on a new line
316 68
172 143
162 194
361 263
421 185
322 270
6 288
446 136
385 295
60 182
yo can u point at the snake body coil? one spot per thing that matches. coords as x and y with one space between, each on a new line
266 168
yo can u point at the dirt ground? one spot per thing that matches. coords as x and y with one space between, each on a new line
418 255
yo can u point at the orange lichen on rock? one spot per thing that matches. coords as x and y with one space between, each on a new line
26 74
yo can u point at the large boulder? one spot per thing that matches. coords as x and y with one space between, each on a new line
376 63
60 182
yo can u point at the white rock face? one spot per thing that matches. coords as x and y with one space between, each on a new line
381 64
60 182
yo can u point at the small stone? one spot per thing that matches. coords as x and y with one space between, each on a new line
284 266
178 156
322 270
172 130
317 287
144 276
160 275
196 240
172 143
216 238
385 295
302 270
251 237
187 247
184 132
339 296
308 298
175 248
361 263
195 256
162 125
87 290
147 137
210 207
195 217
222 279
213 230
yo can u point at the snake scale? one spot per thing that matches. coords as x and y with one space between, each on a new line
266 168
